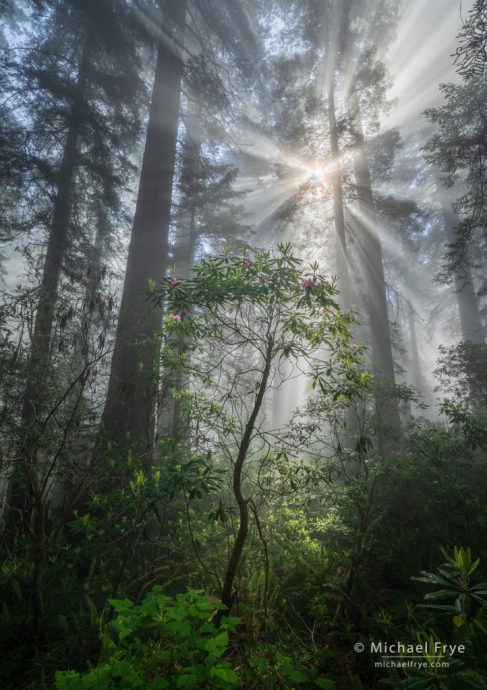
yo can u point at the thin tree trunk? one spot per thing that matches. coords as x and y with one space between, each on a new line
338 207
85 350
132 389
416 374
242 502
382 360
186 268
468 306
22 488
344 286
185 243
169 421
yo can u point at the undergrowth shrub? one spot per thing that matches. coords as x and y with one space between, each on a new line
164 642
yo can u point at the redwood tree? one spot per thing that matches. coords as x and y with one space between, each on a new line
130 402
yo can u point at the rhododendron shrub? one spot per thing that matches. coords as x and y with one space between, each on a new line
246 325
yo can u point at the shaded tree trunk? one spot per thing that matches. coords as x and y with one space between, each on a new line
371 250
89 342
468 306
25 487
186 235
416 374
132 389
169 421
338 207
242 502
344 284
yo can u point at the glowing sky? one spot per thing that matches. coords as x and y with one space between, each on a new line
420 57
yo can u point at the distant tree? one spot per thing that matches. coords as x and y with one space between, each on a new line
471 54
461 372
130 402
74 93
216 35
458 149
371 254
206 209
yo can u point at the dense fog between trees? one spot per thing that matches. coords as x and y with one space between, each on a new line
243 361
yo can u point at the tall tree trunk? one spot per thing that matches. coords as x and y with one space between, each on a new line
24 488
416 375
169 421
130 403
371 250
468 306
344 284
89 342
338 207
186 235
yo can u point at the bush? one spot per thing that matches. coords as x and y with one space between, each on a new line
163 642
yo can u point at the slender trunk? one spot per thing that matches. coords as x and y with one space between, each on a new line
89 341
416 375
40 551
382 360
185 244
21 495
468 306
169 421
335 25
95 268
132 389
338 207
242 502
186 268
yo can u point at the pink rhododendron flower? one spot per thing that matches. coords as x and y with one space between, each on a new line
175 318
174 282
247 263
308 282
354 346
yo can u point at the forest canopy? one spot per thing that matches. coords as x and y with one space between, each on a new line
243 360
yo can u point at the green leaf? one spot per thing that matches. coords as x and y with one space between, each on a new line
297 676
217 645
188 680
230 622
440 594
121 605
458 621
67 680
224 673
325 684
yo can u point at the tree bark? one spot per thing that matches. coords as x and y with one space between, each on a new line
338 207
371 250
242 502
416 373
22 488
468 306
132 389
170 418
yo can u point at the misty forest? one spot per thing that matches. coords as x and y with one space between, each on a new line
243 360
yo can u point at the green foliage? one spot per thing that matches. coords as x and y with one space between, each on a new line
454 149
468 602
280 292
462 373
458 616
163 642
278 670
